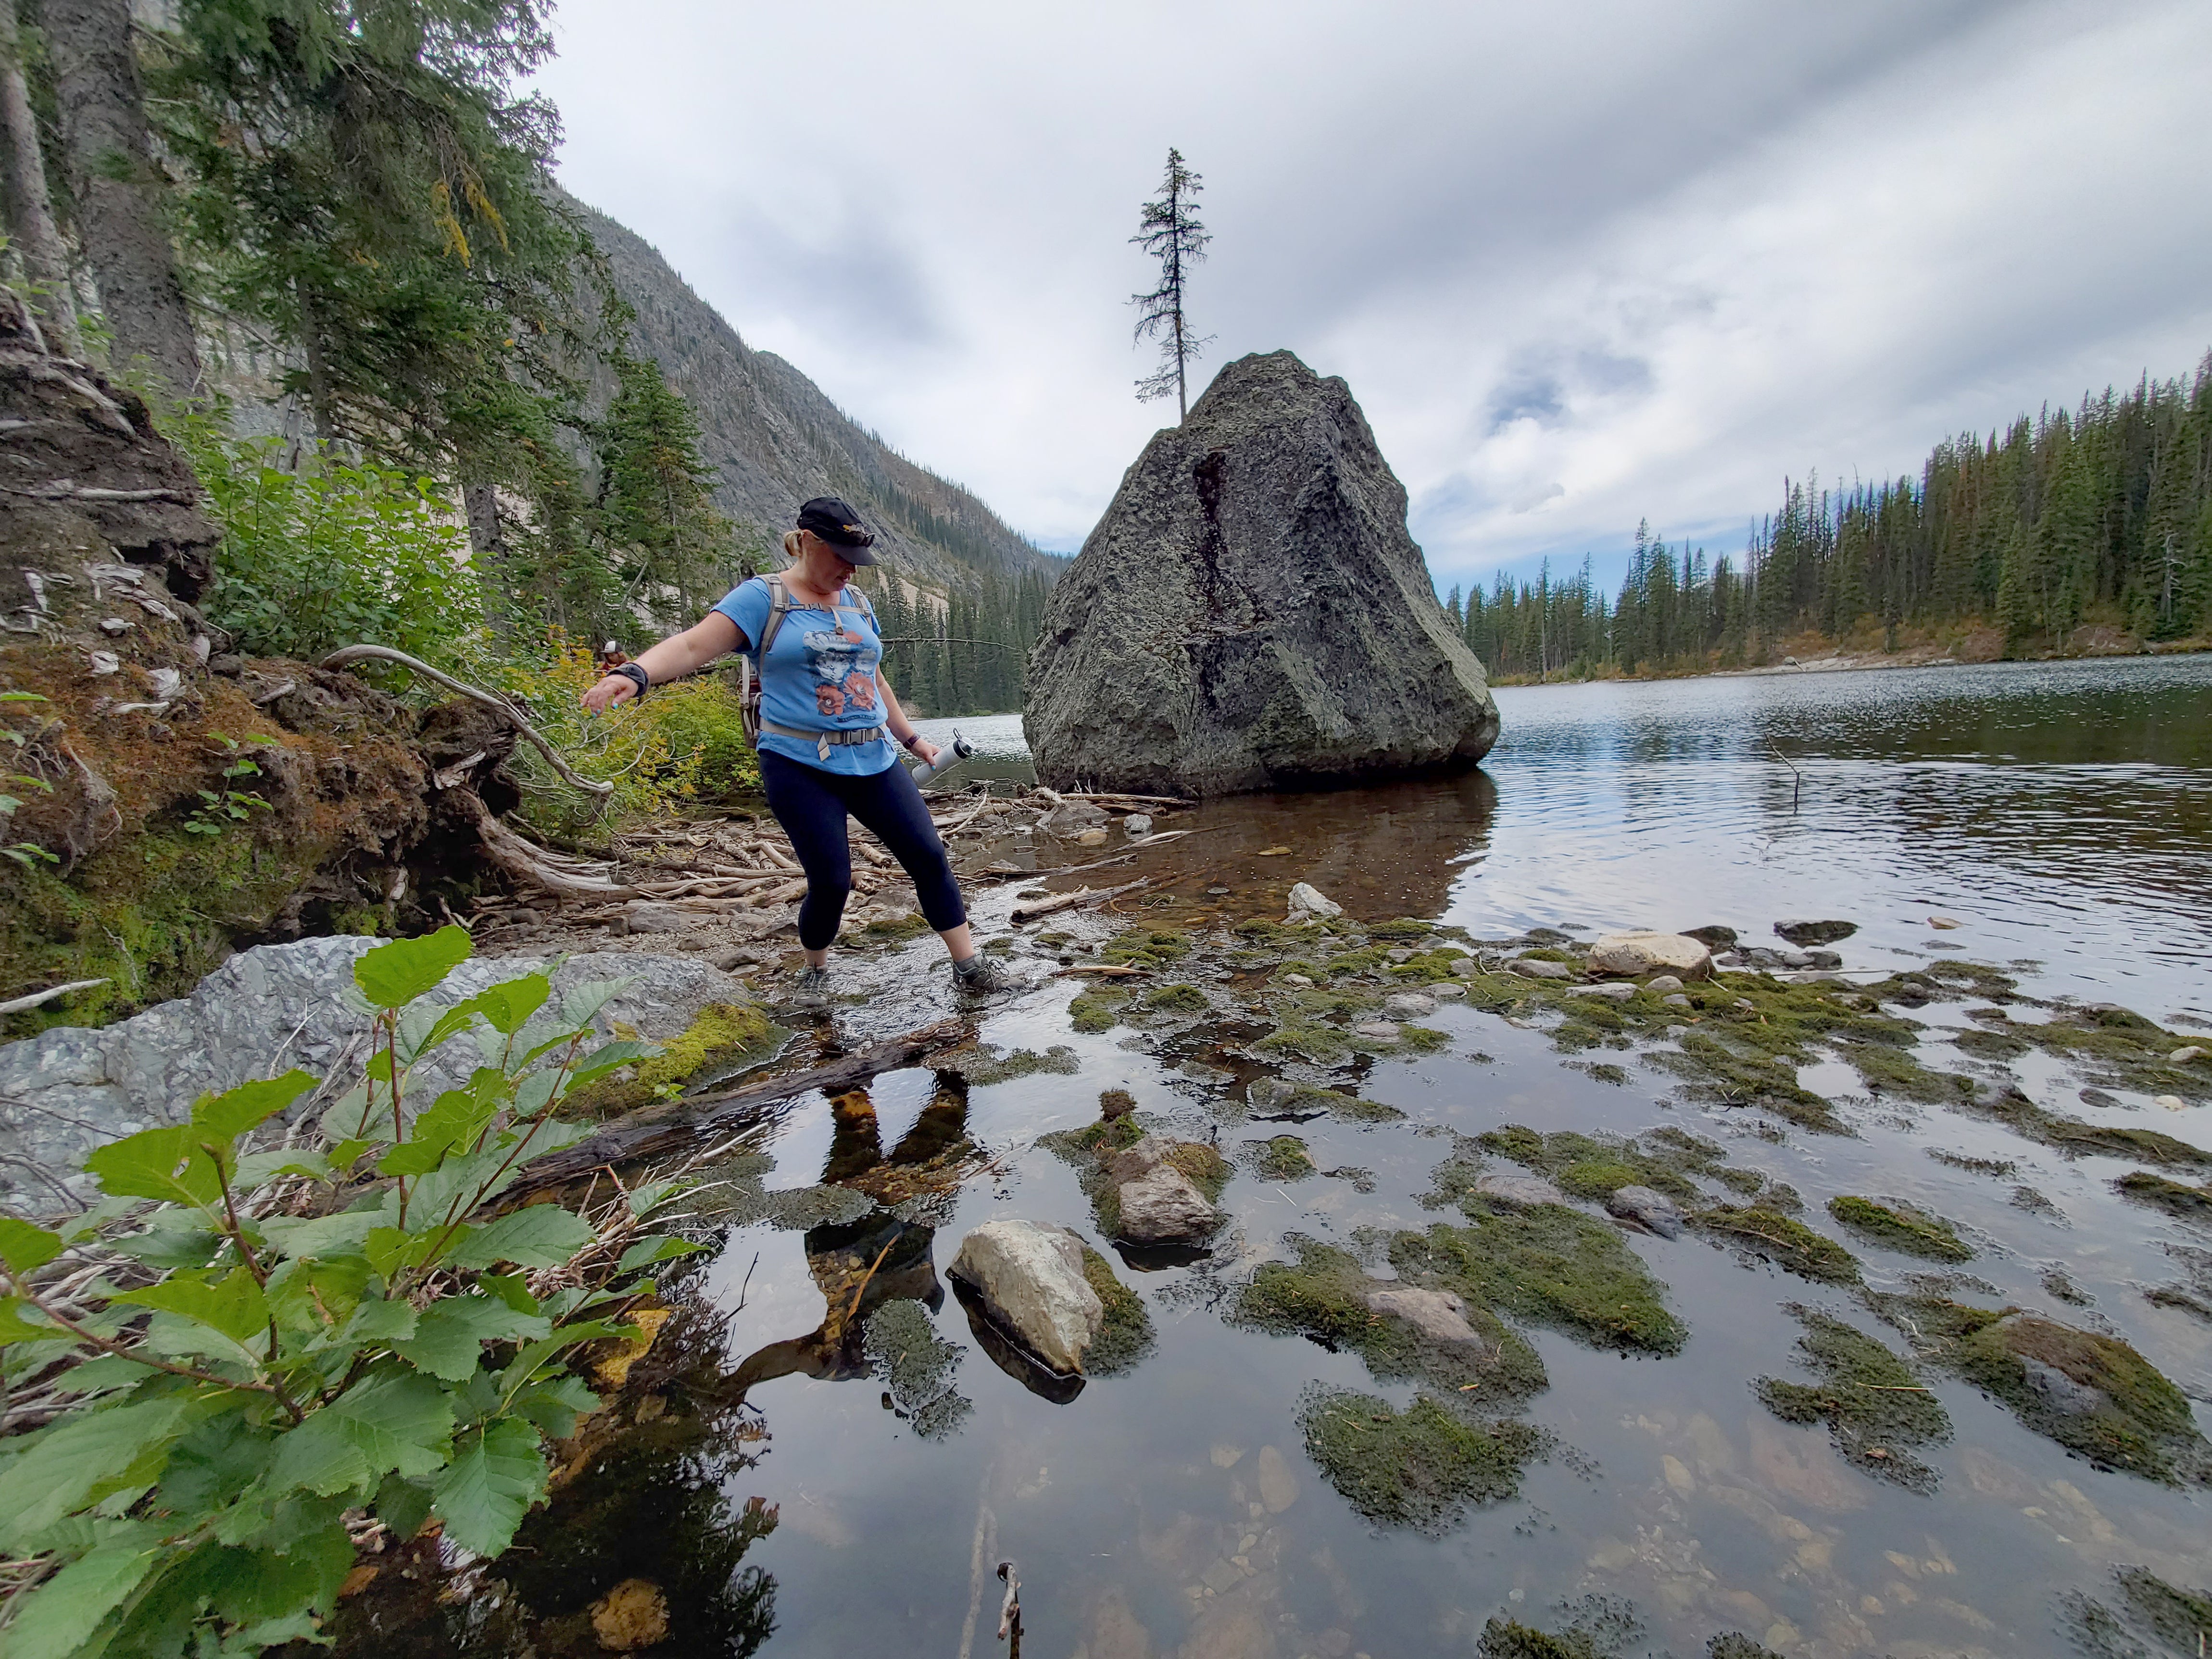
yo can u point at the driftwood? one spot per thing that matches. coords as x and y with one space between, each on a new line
660 1129
17 1005
552 873
1104 969
1082 896
354 653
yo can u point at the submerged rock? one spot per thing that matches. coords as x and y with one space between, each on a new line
1251 614
1029 1276
1814 932
1517 1191
1648 1209
1645 953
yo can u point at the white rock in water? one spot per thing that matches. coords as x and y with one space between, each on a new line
1613 993
1136 824
1437 1315
2183 1056
1645 953
1541 967
1944 923
1092 837
1279 1487
1159 1204
2172 1102
1030 1275
1307 901
1408 1004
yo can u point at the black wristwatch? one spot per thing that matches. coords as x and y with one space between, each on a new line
636 674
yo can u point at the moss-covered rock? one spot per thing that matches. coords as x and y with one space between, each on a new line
724 1035
1598 1627
2178 1198
2077 1138
986 1063
1877 1411
1325 1296
1548 1264
1419 1468
1146 947
1126 1337
1901 1227
2147 1610
1766 1232
1175 999
2092 1393
1278 1158
1280 1097
1098 1009
1597 1166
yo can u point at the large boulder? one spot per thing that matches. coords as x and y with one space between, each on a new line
264 1012
1251 613
1029 1276
1158 1204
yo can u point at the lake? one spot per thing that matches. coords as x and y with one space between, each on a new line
836 1454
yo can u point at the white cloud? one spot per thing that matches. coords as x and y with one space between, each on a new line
1580 264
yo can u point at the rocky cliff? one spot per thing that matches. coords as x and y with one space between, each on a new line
774 440
1251 613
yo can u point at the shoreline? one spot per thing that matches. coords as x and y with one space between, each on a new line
1846 662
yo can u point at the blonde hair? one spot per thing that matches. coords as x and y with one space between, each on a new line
791 544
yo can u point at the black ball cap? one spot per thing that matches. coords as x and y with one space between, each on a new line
839 526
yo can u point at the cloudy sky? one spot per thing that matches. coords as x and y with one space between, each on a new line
1581 264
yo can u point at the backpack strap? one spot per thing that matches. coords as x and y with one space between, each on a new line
779 607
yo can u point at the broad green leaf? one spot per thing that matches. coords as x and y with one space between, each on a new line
496 1475
56 1618
347 1118
511 1289
173 1238
267 1584
24 1246
15 1327
178 1336
393 1422
83 1457
403 1505
610 1057
542 1236
455 1119
344 1153
258 1170
165 1163
508 1004
79 1228
648 1251
581 1006
378 1323
231 1114
392 975
317 1294
233 1304
532 1357
647 1196
536 1092
102 1375
344 1234
449 1337
555 1404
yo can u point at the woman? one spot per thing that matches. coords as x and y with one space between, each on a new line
828 719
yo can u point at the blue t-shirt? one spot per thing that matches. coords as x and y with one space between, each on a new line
820 674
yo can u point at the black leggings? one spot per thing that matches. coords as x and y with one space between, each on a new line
812 805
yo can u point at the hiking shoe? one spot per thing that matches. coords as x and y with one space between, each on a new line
979 976
811 981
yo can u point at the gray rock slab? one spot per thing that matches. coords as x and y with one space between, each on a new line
1647 1208
1519 1192
1542 968
266 1011
1616 992
1159 1204
1030 1275
1409 1004
1439 1316
1251 613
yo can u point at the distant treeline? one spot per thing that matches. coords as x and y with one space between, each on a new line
967 656
2099 515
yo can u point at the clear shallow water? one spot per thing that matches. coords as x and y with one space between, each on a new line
2059 814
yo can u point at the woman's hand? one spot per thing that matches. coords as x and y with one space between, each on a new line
615 688
924 750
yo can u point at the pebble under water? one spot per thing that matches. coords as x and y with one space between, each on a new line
1798 1427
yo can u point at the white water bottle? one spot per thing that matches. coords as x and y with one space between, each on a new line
951 755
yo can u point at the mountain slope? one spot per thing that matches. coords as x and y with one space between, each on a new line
774 440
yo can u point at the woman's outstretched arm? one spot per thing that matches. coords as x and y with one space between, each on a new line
713 635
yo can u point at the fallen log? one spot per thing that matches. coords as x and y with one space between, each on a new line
524 860
663 1128
1104 969
1082 896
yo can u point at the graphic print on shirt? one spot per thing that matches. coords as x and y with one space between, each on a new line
842 666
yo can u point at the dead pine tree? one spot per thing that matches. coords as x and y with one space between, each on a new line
1171 232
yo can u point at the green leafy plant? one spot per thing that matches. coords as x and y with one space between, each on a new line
221 808
238 1364
25 853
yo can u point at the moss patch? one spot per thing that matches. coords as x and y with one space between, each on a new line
723 1031
1322 1296
1597 1166
894 930
1280 1158
1901 1228
1126 1336
916 1366
1175 999
1306 1040
1207 1170
1421 1467
2177 1199
2077 1138
1875 1408
1767 1233
986 1064
1098 1010
1600 1628
2148 1610
2093 1394
1551 1265
1146 947
1280 1095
